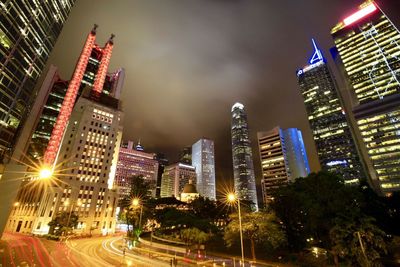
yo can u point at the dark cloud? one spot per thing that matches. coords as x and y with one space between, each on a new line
187 62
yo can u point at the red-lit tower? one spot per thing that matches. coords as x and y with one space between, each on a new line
81 69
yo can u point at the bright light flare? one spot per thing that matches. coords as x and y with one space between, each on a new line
231 197
360 14
135 202
45 173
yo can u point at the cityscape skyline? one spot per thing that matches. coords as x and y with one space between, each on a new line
202 132
245 72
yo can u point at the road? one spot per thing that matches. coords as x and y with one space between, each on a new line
23 250
17 250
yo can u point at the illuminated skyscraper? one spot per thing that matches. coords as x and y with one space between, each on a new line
243 168
132 162
331 131
84 145
57 90
283 158
174 179
204 162
367 50
28 33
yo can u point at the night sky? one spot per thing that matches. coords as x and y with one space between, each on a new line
187 62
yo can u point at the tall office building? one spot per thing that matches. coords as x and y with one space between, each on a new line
57 90
174 179
367 51
28 33
331 131
243 168
204 162
132 162
283 158
84 146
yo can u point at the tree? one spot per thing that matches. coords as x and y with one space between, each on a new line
194 236
309 206
63 222
358 240
258 228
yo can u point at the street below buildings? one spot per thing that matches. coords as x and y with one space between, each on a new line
18 250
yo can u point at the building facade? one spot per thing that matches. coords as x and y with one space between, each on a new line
367 51
243 168
58 89
174 179
28 33
331 129
204 161
283 158
83 152
132 162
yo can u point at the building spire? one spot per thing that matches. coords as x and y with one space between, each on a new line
95 26
317 56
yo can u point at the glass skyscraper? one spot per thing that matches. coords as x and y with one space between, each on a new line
204 162
283 158
243 168
28 33
367 51
331 131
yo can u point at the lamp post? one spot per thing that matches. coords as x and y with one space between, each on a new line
232 198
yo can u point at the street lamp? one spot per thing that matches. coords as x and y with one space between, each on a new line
45 173
233 198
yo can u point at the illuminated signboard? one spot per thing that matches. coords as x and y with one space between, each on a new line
359 14
336 162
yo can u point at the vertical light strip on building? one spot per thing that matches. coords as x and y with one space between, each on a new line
69 101
102 72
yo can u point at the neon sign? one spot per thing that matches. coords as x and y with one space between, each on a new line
336 162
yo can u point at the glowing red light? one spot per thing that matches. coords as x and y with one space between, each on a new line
68 102
102 72
360 14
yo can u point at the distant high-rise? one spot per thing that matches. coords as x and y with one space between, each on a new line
331 131
132 162
243 168
174 179
186 156
283 158
162 163
367 51
204 162
28 33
